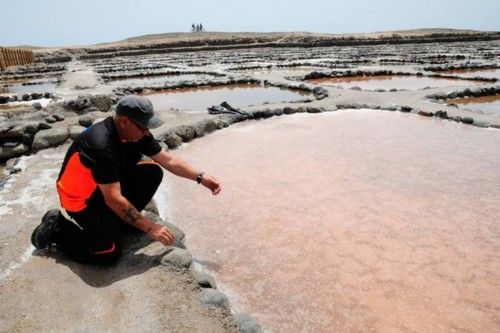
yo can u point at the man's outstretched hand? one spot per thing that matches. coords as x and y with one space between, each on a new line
211 183
161 233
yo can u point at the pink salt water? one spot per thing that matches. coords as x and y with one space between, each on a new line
409 82
349 221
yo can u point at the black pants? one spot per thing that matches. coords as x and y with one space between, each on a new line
99 238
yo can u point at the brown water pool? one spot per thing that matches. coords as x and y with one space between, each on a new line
486 104
349 221
198 99
409 82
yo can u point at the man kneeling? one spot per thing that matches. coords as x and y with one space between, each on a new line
104 184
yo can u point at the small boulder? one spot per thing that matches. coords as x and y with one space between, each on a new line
50 119
37 105
187 133
177 257
246 323
12 150
288 110
85 120
204 279
49 138
171 139
213 297
75 131
467 120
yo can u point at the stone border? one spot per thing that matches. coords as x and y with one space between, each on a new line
362 73
108 78
467 92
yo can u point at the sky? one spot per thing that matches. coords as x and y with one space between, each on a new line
74 22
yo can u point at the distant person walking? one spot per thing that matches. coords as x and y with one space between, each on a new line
103 185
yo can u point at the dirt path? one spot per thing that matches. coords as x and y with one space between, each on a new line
45 293
80 79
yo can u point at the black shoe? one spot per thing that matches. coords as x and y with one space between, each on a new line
45 234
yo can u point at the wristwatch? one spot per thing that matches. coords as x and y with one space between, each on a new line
199 177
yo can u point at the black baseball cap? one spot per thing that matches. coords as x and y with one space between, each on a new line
140 110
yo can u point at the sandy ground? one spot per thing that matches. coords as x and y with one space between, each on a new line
46 292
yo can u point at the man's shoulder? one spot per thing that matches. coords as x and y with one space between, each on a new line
100 136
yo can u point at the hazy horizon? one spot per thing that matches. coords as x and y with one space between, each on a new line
55 23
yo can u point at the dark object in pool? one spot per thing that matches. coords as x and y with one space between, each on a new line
224 107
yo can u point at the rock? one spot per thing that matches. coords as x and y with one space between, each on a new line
406 109
43 126
38 116
313 110
49 138
228 119
12 165
467 120
246 323
379 90
85 120
58 117
152 207
171 139
102 102
288 110
204 127
204 279
89 110
26 97
441 114
179 258
425 113
179 235
452 94
278 112
355 88
50 119
213 297
31 127
476 91
4 99
393 89
36 96
483 124
301 109
187 133
37 105
267 113
12 150
75 131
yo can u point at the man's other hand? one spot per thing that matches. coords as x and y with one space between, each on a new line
212 184
161 233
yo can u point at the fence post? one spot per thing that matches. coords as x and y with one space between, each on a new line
3 66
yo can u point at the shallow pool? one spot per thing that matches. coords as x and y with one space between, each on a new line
387 82
349 221
198 99
485 104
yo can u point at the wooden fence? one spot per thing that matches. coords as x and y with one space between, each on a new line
15 57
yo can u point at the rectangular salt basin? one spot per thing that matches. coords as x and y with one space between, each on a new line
387 82
199 99
349 221
483 104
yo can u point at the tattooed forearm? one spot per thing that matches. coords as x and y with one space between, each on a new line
131 215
